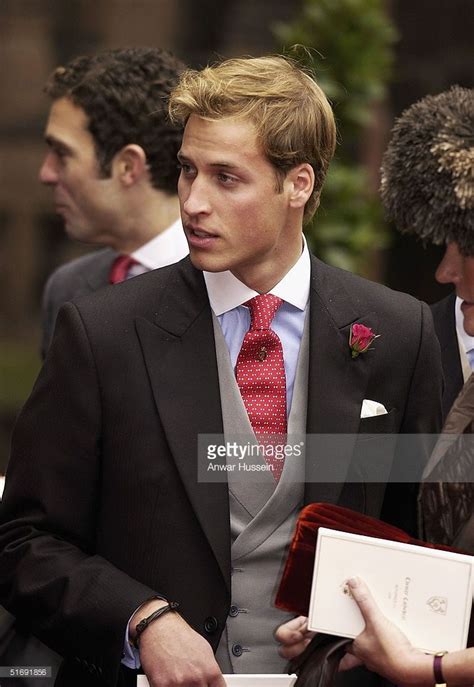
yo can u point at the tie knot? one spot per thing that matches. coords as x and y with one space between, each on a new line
262 310
120 268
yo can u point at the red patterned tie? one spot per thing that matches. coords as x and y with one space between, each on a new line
120 268
260 374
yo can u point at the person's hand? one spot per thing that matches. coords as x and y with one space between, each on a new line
294 637
173 654
381 647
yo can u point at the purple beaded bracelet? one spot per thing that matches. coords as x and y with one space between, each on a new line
437 669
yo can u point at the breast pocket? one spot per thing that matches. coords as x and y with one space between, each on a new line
380 424
375 448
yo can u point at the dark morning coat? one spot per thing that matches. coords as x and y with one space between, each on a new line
102 507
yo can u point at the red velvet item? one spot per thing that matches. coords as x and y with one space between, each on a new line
295 587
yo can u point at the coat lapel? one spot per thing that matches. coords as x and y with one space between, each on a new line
179 353
337 382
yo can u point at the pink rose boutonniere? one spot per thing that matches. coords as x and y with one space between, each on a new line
360 339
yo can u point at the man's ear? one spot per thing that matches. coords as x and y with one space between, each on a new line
301 180
130 164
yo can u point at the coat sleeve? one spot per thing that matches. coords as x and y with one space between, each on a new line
75 601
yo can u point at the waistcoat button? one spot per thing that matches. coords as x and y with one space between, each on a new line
237 650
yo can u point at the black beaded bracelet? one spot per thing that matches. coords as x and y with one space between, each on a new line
143 624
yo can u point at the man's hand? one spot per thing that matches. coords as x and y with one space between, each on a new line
172 654
294 637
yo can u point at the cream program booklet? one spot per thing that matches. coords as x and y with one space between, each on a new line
427 593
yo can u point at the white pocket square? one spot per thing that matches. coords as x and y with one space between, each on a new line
371 408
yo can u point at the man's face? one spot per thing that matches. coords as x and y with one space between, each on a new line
458 269
233 215
87 202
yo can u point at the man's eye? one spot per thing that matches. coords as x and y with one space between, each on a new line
60 154
226 178
185 168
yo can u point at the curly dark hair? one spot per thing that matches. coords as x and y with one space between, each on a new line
125 93
428 169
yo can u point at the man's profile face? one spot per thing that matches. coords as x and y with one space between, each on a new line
458 269
233 215
81 196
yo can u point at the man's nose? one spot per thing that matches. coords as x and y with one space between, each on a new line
48 171
196 201
449 270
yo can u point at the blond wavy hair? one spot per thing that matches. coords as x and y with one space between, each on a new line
292 116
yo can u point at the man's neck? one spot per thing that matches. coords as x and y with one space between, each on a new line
264 277
147 219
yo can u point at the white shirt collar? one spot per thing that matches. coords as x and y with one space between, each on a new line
226 292
164 249
467 341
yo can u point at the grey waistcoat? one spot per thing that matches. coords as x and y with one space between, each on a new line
262 520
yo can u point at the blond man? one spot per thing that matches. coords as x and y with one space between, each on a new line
138 373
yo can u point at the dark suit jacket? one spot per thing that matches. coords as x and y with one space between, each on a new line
445 326
76 278
102 506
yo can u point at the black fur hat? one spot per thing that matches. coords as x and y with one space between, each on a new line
428 169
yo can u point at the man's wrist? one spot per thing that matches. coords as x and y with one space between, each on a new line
146 622
144 611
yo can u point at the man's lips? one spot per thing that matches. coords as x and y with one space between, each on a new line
60 207
199 237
